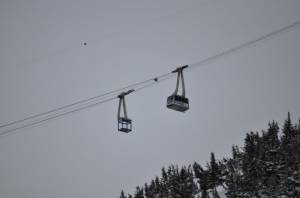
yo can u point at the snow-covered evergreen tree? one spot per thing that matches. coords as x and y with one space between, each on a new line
266 166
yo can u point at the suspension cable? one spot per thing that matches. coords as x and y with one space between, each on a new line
140 85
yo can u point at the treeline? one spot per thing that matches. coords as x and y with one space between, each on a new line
268 165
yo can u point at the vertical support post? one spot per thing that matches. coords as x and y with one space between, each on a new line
182 83
119 109
177 83
124 108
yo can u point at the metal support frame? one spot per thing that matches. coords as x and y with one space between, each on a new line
122 103
179 71
124 123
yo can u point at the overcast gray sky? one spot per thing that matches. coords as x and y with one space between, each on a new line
44 64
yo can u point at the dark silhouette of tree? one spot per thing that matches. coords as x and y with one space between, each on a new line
202 177
214 178
139 193
122 194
